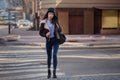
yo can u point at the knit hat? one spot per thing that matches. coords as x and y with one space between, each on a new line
51 10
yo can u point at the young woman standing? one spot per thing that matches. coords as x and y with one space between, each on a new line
50 29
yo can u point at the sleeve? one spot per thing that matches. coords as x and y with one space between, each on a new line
42 31
59 27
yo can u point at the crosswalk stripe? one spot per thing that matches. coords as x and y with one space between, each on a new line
24 67
25 46
31 75
23 58
24 63
19 67
31 51
44 68
19 60
24 70
22 51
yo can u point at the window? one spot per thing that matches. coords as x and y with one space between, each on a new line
110 19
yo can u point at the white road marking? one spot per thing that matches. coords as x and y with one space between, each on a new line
24 70
12 60
32 75
15 67
24 63
101 74
93 56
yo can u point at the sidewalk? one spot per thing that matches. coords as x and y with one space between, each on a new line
24 37
73 41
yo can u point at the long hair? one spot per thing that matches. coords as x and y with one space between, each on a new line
54 19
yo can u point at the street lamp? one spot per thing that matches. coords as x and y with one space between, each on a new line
9 32
9 8
9 16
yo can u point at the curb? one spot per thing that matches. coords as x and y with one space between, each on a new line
12 37
9 38
2 41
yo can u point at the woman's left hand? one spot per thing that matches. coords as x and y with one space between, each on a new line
48 34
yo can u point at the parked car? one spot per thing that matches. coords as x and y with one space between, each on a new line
24 23
7 17
12 22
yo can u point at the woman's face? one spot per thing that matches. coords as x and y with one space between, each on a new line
50 15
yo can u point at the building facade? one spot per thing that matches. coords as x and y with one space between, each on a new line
84 16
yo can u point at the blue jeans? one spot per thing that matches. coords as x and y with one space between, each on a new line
52 46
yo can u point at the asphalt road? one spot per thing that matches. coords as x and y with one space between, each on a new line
90 62
25 62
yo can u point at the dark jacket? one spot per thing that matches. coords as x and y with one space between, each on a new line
44 29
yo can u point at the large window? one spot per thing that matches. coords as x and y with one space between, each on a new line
110 19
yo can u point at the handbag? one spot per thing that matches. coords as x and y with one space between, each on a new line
62 38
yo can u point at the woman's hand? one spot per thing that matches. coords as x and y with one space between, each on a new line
48 34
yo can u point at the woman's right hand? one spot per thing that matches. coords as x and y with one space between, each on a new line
48 34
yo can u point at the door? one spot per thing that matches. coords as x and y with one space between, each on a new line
76 25
97 21
64 17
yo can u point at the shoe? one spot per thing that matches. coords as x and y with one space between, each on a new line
49 74
54 74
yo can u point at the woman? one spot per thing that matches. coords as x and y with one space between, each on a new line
50 29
